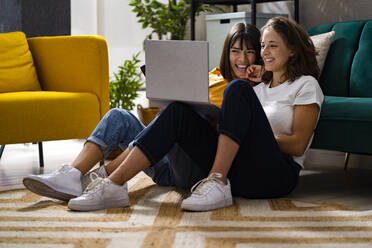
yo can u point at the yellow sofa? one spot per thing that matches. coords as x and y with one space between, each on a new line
73 94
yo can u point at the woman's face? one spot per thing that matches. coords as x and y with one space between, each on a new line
240 59
274 52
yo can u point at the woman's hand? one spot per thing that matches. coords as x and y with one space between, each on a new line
255 72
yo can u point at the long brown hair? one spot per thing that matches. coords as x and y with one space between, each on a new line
303 60
243 32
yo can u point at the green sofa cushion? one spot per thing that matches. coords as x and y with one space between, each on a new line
345 136
361 70
342 121
321 29
347 109
340 56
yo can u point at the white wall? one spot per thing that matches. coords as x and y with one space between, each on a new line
120 28
83 17
114 20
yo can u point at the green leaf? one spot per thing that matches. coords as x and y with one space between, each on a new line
127 81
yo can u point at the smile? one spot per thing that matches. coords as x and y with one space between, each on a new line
269 60
241 67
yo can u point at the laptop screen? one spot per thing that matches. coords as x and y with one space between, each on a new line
177 70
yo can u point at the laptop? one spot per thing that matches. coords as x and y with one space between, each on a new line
178 71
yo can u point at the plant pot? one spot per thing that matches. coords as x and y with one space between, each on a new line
146 115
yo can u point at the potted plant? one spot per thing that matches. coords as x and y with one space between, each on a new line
163 18
126 83
124 89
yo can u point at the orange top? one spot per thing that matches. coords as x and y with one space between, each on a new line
217 85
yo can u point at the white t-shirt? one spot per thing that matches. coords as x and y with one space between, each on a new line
278 103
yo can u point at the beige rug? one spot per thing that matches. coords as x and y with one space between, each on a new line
154 219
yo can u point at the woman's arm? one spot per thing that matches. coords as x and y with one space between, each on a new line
304 122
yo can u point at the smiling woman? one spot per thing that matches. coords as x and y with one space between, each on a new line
240 50
241 36
288 52
275 54
241 56
290 83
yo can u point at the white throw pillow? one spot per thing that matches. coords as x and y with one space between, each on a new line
322 42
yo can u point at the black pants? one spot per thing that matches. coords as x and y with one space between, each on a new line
259 170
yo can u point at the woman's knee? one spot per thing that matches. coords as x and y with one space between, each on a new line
120 119
117 114
238 90
237 87
177 108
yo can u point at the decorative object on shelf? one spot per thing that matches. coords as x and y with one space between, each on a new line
146 115
124 87
165 19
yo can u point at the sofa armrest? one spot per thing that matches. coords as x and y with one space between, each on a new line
73 64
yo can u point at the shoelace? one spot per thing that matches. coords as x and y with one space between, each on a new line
100 173
204 185
96 181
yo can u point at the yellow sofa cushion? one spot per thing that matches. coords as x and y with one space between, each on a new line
32 116
17 70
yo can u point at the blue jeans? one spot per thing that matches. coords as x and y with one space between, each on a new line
119 127
259 170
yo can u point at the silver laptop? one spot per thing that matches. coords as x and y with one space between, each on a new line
178 71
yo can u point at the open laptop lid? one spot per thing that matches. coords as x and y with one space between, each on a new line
177 70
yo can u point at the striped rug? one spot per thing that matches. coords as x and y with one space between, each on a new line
154 219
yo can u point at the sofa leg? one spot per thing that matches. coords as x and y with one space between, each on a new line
41 157
2 147
346 161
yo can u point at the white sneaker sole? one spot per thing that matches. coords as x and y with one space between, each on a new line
89 206
39 187
202 208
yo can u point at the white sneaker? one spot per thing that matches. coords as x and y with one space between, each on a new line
209 194
101 193
62 184
87 179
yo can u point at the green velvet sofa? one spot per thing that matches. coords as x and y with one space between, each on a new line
345 122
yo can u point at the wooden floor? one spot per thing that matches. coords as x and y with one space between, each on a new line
330 185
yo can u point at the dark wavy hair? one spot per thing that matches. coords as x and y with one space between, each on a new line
303 60
243 32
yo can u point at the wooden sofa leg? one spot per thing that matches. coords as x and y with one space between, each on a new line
346 161
2 147
41 157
